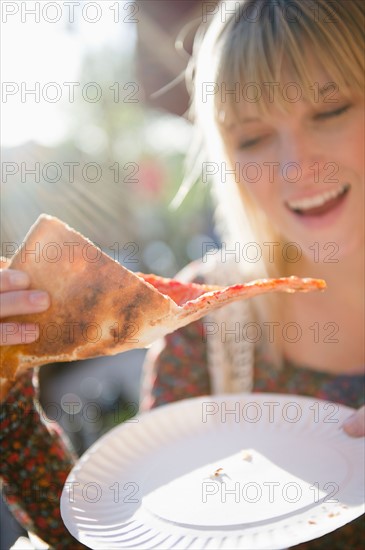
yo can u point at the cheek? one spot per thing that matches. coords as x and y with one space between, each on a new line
255 181
351 151
358 155
263 195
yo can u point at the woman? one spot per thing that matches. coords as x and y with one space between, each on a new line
278 98
291 123
279 101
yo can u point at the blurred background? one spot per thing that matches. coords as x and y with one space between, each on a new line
94 131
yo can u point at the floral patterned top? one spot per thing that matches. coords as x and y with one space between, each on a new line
37 458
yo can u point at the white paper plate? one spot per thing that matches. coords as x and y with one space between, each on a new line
289 474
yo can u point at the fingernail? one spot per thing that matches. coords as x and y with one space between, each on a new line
39 298
352 429
350 425
19 279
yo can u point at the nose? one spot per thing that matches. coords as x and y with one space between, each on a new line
299 157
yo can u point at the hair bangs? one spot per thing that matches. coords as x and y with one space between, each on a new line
275 57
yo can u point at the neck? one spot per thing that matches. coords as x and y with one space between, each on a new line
339 309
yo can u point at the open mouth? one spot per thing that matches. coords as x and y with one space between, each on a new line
319 204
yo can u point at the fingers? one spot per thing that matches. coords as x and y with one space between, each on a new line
23 302
11 279
18 333
355 425
15 299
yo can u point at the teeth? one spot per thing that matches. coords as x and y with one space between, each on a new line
318 200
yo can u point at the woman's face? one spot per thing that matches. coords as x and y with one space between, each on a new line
305 168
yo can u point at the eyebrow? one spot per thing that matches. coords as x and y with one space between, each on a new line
249 119
322 90
328 86
245 120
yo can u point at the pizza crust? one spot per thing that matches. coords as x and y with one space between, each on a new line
97 307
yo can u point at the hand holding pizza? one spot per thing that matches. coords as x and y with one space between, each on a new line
98 307
15 299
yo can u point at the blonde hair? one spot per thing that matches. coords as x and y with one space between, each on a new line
253 41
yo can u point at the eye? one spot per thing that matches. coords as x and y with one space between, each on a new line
250 143
331 114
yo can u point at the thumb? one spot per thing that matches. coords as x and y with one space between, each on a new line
355 425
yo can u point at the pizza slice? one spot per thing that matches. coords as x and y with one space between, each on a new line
99 307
